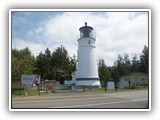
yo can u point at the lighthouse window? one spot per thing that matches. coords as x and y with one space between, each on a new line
89 42
86 33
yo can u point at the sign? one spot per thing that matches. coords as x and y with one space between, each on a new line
30 79
121 85
110 85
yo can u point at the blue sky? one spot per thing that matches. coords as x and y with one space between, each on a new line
26 21
116 32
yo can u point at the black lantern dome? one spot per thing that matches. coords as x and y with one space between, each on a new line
86 31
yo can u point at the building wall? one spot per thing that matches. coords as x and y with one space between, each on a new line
89 83
87 72
87 64
135 78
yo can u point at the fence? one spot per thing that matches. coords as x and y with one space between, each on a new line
30 90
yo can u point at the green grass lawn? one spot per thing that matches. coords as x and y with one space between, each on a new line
34 92
31 92
101 90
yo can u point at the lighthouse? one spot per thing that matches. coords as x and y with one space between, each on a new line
87 68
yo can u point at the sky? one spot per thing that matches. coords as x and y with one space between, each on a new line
115 32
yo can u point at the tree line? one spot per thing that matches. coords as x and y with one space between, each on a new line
55 65
124 66
58 65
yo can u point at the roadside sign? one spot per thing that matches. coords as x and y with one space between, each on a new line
30 79
111 85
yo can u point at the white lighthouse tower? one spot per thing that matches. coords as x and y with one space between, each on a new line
87 71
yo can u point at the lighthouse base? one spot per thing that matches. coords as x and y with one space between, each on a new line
88 82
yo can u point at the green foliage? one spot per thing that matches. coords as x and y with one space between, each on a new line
43 65
124 66
56 65
115 73
104 72
59 65
135 64
144 60
22 63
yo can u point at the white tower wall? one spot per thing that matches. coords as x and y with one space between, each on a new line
87 73
87 64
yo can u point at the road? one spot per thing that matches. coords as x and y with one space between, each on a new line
118 100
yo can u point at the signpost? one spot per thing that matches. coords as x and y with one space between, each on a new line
110 85
29 80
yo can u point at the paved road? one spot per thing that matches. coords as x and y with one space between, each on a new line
132 99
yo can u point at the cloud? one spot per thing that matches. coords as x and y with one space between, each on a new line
39 30
30 33
115 32
121 35
64 29
34 47
18 20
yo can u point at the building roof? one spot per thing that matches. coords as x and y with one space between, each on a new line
85 27
135 74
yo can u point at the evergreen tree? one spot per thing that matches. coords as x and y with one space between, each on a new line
104 72
126 64
144 60
43 65
60 59
135 64
22 62
119 65
56 65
